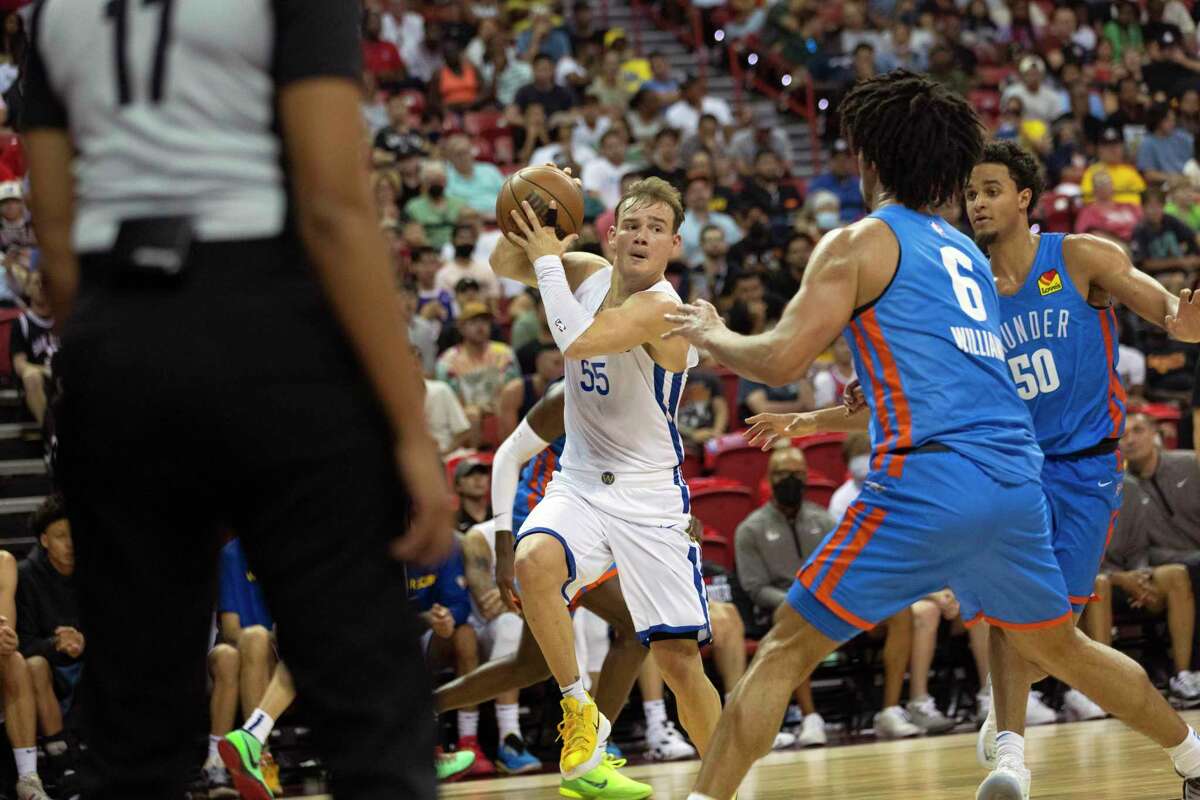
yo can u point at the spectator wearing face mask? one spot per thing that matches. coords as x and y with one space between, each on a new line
465 265
433 209
857 452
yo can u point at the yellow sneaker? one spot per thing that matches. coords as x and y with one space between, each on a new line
270 771
583 726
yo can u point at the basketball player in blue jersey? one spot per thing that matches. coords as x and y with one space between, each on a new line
953 498
1059 332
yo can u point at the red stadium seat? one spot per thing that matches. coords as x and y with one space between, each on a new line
823 452
721 504
820 491
729 388
730 456
986 101
476 122
1057 212
718 549
693 467
501 142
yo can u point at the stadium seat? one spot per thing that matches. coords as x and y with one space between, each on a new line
501 142
718 549
476 122
1057 211
729 389
823 452
490 431
985 101
820 491
731 456
693 467
721 504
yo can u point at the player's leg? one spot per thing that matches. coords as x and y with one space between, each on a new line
927 618
663 741
729 643
595 635
788 655
20 714
523 668
1174 597
892 722
257 659
49 713
562 547
1097 618
625 653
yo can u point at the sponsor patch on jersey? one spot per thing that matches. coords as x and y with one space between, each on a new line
1049 282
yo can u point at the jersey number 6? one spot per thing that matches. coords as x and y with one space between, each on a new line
966 290
594 378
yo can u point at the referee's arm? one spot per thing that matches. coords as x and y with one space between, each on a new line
317 61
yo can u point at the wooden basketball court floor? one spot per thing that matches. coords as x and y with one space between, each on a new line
1100 760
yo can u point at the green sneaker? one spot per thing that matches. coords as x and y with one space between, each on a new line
242 755
452 766
605 783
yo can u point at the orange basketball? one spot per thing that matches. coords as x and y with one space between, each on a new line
540 185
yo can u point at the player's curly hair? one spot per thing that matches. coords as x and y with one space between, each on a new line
1023 166
49 512
921 137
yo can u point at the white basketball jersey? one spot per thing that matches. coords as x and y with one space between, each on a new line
621 408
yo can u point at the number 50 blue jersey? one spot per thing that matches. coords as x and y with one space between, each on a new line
931 361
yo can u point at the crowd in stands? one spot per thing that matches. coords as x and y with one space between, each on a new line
457 96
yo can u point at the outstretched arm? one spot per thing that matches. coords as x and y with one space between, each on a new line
765 429
1107 266
812 319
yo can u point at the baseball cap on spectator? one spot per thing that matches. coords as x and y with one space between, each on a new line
11 190
1166 37
1111 136
1029 63
613 35
473 310
466 285
468 466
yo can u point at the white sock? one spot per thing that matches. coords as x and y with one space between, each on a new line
508 720
1011 746
259 725
26 758
698 796
213 741
55 747
576 690
656 713
1186 755
468 724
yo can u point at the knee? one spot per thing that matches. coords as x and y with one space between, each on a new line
223 664
677 659
1173 578
254 645
727 625
32 380
13 669
540 562
40 671
926 616
1102 586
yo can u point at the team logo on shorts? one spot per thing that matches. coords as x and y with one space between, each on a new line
1049 282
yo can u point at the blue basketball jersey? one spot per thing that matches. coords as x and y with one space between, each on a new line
536 473
930 359
1062 353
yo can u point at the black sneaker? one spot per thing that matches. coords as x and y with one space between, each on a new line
1191 789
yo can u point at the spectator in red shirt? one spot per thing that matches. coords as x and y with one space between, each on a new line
380 58
1105 214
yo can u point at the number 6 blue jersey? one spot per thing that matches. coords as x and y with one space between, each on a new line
929 355
1062 353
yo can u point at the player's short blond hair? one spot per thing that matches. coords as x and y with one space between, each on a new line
649 191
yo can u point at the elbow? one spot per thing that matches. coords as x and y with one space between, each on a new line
329 219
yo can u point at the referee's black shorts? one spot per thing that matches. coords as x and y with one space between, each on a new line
234 399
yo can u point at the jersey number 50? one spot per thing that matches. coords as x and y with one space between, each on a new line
594 378
1035 374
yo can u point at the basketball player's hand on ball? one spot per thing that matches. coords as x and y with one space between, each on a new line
565 171
766 429
430 536
536 238
1184 326
695 322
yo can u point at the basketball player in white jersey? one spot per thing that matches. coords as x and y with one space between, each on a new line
619 495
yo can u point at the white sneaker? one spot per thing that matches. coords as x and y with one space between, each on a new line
985 742
893 723
812 731
983 705
924 713
783 740
1185 690
30 788
1037 712
1008 781
1078 707
665 743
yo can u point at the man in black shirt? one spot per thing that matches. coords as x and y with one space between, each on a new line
187 228
398 139
665 162
472 482
1162 242
552 97
1170 69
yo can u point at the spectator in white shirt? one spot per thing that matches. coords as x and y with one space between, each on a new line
445 416
1038 99
602 176
464 265
830 382
1131 367
684 115
592 123
857 452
